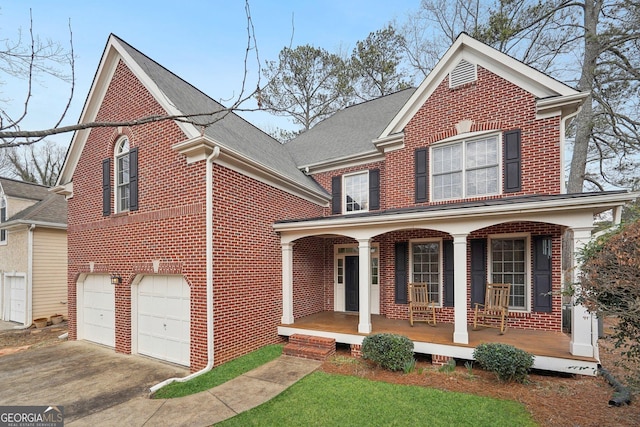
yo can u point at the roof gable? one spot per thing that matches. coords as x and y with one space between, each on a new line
249 148
558 96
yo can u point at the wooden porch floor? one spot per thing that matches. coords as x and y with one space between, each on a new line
539 343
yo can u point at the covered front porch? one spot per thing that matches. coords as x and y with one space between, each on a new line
551 349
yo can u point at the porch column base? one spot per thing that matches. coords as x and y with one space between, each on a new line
582 350
439 360
461 337
364 328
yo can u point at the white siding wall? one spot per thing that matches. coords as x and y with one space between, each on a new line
49 272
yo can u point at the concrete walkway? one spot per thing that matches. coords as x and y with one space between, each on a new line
211 406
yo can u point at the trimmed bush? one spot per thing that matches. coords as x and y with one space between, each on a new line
506 361
390 351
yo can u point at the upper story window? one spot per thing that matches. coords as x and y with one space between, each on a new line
356 192
122 175
3 218
466 169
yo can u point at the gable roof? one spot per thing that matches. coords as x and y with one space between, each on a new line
50 210
243 146
554 97
348 132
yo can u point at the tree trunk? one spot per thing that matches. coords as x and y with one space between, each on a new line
584 119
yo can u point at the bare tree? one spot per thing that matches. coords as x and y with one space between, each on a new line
39 163
28 57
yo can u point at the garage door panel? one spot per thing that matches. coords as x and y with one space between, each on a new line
17 298
98 310
164 318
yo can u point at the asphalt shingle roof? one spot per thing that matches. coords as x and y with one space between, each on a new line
348 132
49 208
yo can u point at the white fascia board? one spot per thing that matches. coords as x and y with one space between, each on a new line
65 190
108 64
465 47
23 223
390 143
198 148
343 162
597 203
560 105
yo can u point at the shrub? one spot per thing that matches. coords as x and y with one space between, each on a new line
390 351
506 361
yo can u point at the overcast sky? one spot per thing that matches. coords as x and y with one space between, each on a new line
203 42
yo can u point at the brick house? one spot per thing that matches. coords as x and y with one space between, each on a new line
196 245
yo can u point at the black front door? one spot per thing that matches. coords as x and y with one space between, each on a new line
351 284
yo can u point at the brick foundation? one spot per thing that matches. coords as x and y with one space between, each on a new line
439 360
356 350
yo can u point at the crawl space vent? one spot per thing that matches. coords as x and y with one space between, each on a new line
464 72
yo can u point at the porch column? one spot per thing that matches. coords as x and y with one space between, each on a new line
287 283
460 333
582 322
364 286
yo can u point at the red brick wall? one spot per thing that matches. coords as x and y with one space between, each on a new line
170 226
492 103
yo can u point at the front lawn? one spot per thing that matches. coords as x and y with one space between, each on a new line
322 399
222 373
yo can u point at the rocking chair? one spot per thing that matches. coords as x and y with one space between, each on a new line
494 312
419 304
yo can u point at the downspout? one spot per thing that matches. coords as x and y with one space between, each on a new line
209 271
29 289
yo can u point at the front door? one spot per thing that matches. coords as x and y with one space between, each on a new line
351 284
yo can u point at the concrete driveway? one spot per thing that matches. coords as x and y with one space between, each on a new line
84 378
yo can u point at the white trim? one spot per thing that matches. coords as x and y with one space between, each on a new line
117 154
344 192
354 160
339 288
527 266
463 140
440 265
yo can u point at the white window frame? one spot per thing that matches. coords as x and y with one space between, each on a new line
463 140
344 191
338 279
440 265
3 206
117 155
527 266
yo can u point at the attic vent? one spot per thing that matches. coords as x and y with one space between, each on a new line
464 72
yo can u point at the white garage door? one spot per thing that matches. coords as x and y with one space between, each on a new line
98 310
17 298
164 318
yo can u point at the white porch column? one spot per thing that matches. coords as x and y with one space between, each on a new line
582 322
460 333
287 283
364 285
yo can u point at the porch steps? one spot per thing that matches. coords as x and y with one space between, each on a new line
310 347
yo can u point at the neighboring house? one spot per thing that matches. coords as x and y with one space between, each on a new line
33 252
196 245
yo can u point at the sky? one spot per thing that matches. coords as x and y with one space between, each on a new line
203 42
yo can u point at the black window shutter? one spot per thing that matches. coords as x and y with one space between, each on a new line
106 187
374 189
402 271
422 176
542 274
447 250
512 161
133 179
336 195
478 270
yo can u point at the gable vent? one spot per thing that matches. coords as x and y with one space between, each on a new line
464 72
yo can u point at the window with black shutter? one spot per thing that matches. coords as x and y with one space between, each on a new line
401 271
542 285
512 161
106 187
422 175
374 189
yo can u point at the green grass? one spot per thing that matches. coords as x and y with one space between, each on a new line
221 374
322 399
